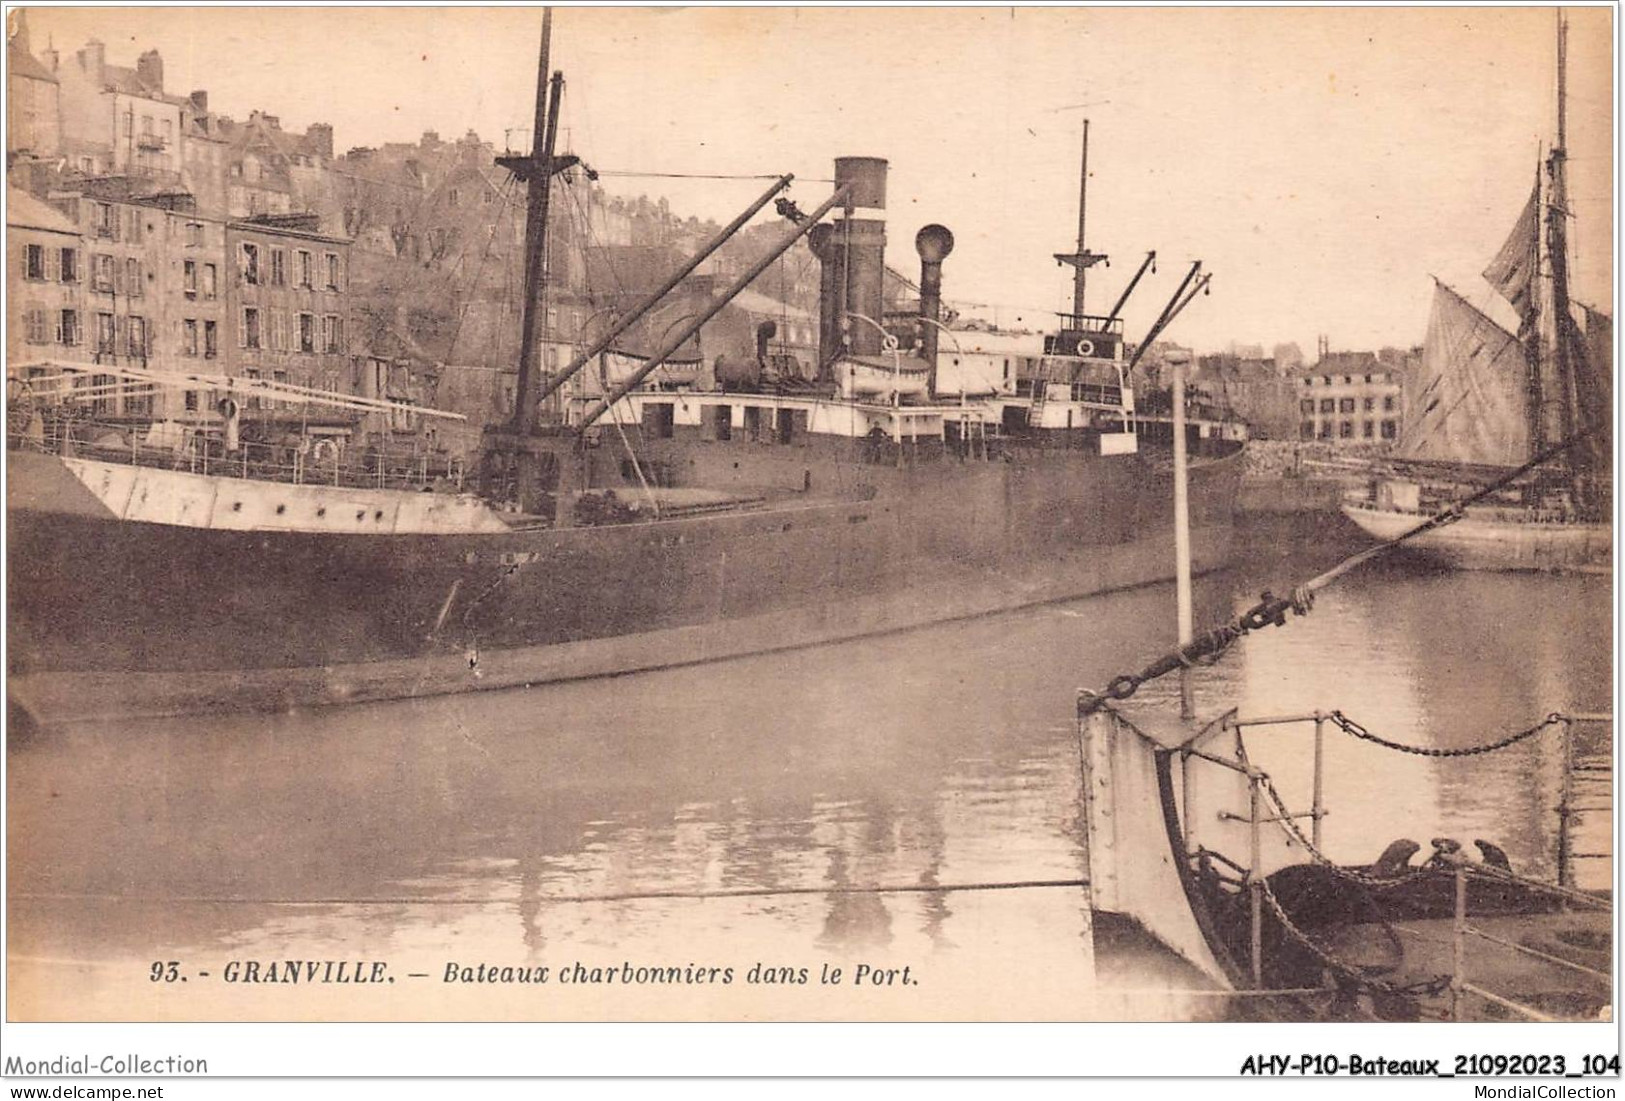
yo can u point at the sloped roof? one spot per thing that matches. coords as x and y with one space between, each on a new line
24 64
26 212
128 82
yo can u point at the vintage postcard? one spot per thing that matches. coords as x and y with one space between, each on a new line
731 515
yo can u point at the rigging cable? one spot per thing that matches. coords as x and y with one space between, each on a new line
1271 610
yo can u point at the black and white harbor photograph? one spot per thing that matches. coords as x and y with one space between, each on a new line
810 514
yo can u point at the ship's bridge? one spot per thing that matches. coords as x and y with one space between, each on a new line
1087 335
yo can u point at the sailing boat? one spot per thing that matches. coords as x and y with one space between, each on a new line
1488 400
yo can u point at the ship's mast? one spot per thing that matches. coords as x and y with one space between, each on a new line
537 170
1557 215
1081 260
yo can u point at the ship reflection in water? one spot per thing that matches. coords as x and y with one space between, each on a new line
595 822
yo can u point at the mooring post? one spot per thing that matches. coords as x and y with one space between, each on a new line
1565 810
1319 808
1255 884
1458 982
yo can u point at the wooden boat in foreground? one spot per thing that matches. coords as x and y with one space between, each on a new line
1191 840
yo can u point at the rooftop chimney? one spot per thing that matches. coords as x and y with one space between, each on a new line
150 68
200 101
319 137
93 61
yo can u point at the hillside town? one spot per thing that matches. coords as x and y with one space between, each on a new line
150 230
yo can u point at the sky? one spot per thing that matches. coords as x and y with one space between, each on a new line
1323 163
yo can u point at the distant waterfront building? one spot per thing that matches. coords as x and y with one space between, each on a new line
1350 399
33 98
118 120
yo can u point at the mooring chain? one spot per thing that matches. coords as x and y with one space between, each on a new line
1354 728
472 652
1503 875
1347 970
1270 611
1486 872
1294 833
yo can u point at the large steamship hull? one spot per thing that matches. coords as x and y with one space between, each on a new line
113 618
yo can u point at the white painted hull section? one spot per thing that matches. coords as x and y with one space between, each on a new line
1495 540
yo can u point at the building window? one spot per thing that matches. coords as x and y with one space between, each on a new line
1308 382
1346 430
1348 380
279 330
1307 405
189 278
105 342
248 263
279 267
105 393
1369 430
34 262
332 334
101 273
307 330
451 197
303 268
134 216
67 327
189 337
1325 430
69 268
1325 380
132 277
36 327
1370 405
1328 405
210 280
211 343
104 220
194 234
332 260
1306 430
136 338
1345 405
1388 404
1389 430
251 328
190 401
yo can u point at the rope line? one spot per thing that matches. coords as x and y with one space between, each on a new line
626 896
1271 610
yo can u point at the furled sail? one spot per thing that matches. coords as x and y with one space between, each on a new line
1512 272
1469 403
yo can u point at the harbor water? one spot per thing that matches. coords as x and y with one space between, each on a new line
712 842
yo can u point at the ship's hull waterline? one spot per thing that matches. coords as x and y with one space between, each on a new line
1488 540
115 618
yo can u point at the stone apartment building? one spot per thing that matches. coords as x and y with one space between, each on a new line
1350 399
428 236
44 292
286 302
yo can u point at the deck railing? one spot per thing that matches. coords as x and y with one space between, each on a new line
314 460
